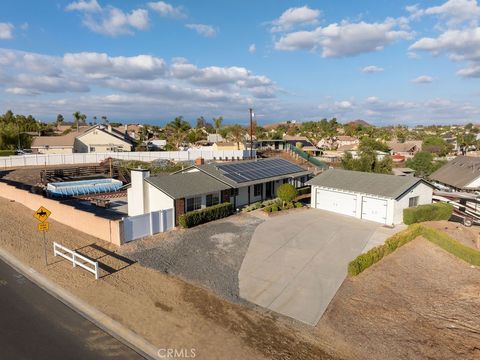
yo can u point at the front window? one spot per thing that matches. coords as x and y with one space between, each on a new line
194 203
257 189
413 201
212 199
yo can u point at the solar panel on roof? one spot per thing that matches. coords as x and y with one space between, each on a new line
251 171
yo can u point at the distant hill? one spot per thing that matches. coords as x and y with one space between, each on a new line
359 122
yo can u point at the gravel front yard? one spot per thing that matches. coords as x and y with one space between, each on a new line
209 255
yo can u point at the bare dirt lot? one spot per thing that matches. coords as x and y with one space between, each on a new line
468 236
417 303
165 310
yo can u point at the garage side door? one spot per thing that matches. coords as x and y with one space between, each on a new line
374 209
337 202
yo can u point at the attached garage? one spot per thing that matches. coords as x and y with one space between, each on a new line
374 197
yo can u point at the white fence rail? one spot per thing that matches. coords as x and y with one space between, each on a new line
76 259
89 158
136 227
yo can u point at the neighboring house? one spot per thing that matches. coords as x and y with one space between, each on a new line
375 197
293 140
97 138
227 146
459 174
214 138
204 185
344 140
407 148
62 144
270 144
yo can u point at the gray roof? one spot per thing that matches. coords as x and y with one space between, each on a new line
182 185
389 186
458 172
213 170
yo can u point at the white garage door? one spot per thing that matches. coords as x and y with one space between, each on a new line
336 201
374 209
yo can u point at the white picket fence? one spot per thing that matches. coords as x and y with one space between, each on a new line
90 158
136 227
76 259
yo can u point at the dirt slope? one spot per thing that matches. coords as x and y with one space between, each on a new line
418 303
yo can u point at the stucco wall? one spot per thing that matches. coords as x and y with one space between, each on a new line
424 192
156 200
108 230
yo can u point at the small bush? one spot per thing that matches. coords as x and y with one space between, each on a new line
202 216
267 209
298 205
287 192
274 207
421 213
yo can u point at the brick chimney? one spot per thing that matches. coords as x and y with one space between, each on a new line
199 161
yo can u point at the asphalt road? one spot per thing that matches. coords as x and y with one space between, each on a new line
37 326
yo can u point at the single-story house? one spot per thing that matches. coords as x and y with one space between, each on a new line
375 197
294 139
214 138
202 185
270 144
97 138
459 174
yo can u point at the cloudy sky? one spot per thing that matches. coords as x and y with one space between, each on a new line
385 62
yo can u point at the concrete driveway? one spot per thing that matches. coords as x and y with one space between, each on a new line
296 262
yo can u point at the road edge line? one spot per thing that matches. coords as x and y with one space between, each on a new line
117 330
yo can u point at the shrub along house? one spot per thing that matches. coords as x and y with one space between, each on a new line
204 185
375 197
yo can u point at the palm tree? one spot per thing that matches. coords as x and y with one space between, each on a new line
95 120
60 119
236 133
218 123
76 118
104 118
178 130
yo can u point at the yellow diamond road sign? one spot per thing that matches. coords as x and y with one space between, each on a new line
42 214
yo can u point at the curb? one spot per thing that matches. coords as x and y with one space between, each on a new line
134 341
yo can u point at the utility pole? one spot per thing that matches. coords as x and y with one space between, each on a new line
251 132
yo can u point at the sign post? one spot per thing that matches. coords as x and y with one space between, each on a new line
42 214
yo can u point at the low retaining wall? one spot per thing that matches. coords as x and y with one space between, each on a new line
108 230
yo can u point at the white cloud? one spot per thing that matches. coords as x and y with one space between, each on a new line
100 65
344 39
344 104
372 69
202 29
82 5
471 71
110 20
295 16
165 9
423 79
123 79
456 11
6 31
252 49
